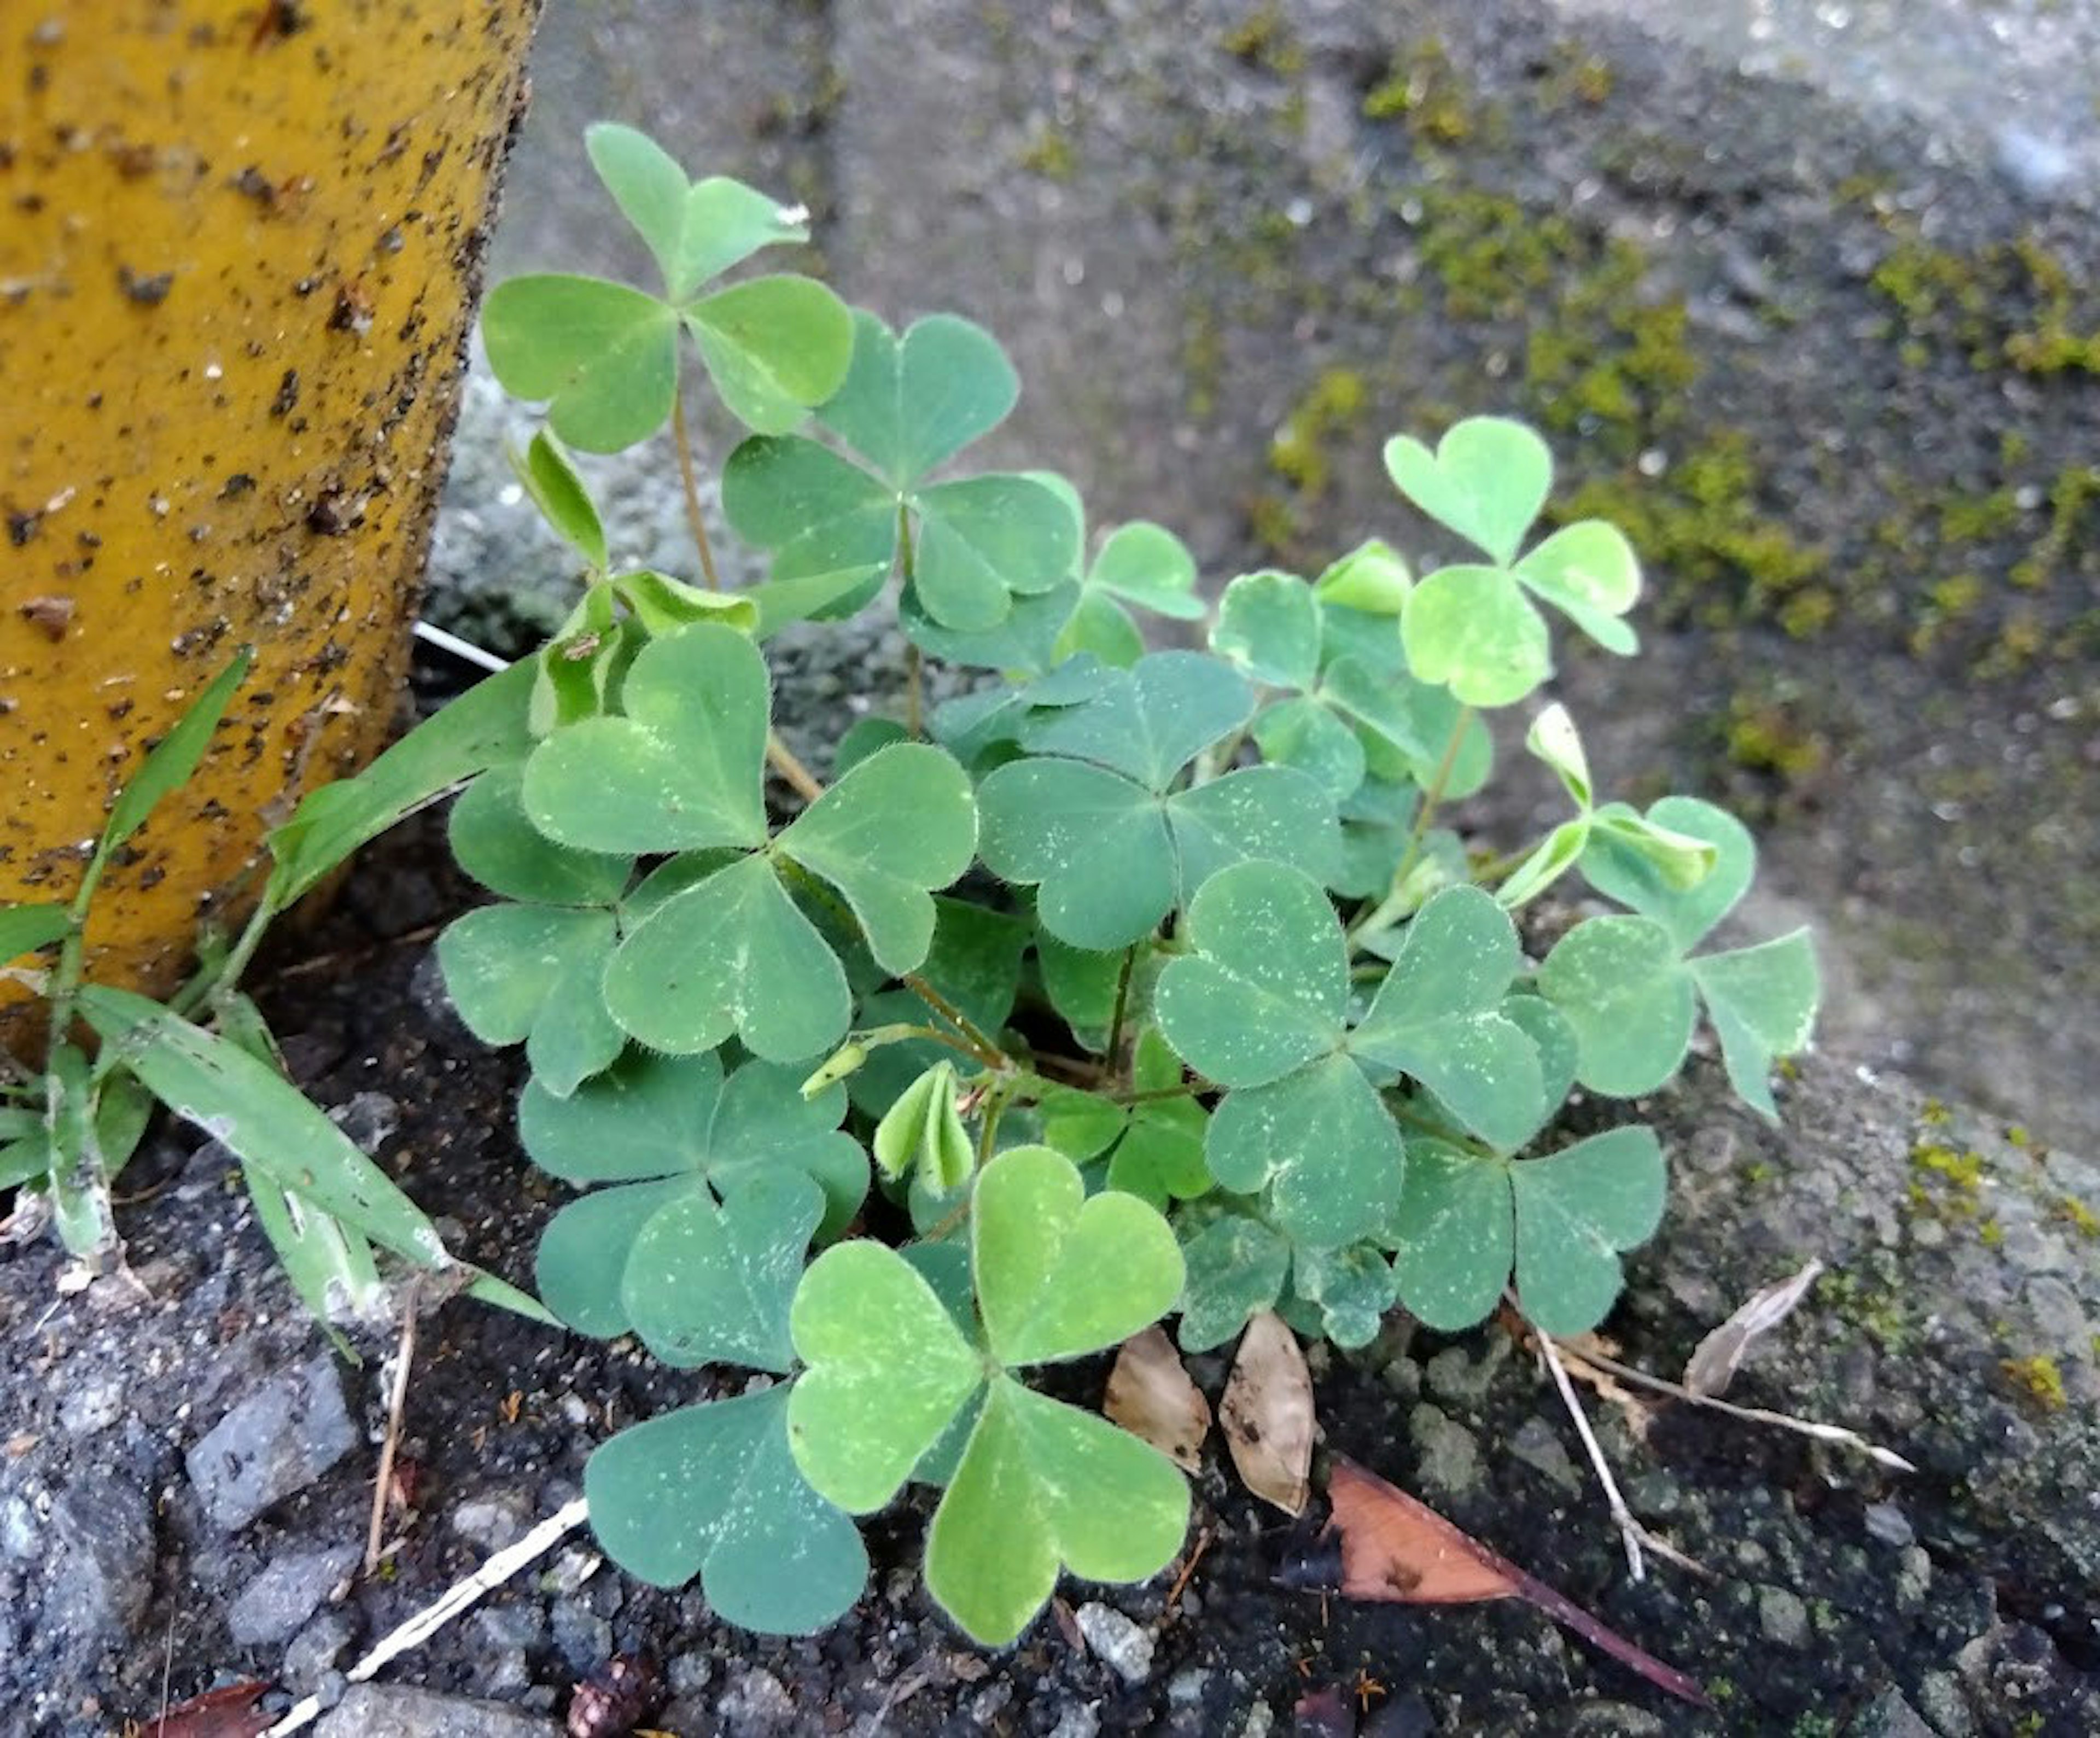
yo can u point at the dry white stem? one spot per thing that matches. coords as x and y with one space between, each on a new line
396 1403
1630 1530
1849 1438
460 648
462 1596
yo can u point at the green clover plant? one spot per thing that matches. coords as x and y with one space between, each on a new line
1156 982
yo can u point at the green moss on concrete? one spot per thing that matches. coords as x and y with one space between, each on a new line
1422 91
2038 1378
1330 411
1050 154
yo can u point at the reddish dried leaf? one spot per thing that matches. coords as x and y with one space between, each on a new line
228 1711
1150 1396
1394 1548
1267 1414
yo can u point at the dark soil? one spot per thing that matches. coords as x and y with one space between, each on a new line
1844 1600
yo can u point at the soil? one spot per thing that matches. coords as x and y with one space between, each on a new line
1845 1599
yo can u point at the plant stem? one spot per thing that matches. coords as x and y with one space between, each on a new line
805 783
914 705
1122 1004
1397 902
694 517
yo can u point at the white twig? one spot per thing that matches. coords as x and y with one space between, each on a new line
1629 1530
460 648
1849 1438
457 1598
396 1402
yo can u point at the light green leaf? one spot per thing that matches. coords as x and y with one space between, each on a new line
485 727
924 1129
697 231
1321 1143
1455 1232
559 492
731 956
25 927
1576 1210
1147 565
906 406
1043 1484
684 767
167 767
1268 624
663 605
1762 1001
888 1369
850 836
1437 1017
1099 625
1638 875
1235 1267
261 1118
1588 572
1486 481
1058 1274
714 1491
773 346
1550 859
1620 984
603 357
1372 578
1553 739
1264 990
711 1284
1677 860
1471 629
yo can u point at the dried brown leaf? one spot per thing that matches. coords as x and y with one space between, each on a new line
1267 1414
1714 1364
1150 1396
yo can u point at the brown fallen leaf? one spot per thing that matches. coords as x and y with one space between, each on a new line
1398 1550
1714 1364
1636 1410
1150 1396
228 1711
1267 1414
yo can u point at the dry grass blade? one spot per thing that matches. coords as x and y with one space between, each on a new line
1714 1364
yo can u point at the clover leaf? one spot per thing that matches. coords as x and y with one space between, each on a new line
1260 1005
713 1490
1561 1221
1474 628
1237 1266
1142 566
1268 624
1090 821
1486 481
1628 987
1039 1484
605 356
680 767
905 406
530 972
667 1130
